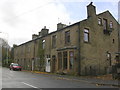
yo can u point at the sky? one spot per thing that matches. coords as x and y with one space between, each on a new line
19 19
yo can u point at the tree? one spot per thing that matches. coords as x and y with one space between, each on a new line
41 55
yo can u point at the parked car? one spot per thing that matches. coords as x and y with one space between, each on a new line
15 66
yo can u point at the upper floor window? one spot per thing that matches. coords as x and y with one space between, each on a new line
105 24
16 53
99 21
48 56
67 37
111 24
28 49
86 35
43 44
22 51
54 41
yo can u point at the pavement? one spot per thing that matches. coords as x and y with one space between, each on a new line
102 80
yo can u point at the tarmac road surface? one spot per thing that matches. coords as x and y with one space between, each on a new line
22 79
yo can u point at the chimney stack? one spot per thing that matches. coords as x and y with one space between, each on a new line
44 31
60 26
91 10
34 36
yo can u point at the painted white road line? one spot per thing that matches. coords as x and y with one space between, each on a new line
9 77
29 85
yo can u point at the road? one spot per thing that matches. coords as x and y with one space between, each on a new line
22 79
0 77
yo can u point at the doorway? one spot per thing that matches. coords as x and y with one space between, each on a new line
53 63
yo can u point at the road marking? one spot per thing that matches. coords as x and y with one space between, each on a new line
29 85
9 77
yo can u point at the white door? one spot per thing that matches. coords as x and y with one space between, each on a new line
48 65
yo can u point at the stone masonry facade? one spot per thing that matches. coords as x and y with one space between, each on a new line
87 47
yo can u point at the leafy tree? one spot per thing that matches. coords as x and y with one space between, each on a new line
41 55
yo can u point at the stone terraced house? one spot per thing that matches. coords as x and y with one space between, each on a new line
87 47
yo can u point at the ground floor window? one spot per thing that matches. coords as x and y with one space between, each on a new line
65 60
71 53
60 60
18 61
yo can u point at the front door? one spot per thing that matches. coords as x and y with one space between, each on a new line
48 65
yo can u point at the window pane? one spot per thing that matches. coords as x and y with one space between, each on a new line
71 59
105 24
43 44
54 41
59 60
65 60
99 21
86 35
67 37
111 24
43 40
85 30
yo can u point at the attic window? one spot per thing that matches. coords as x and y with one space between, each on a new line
111 24
105 24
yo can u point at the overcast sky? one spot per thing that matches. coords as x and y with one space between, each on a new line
19 19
